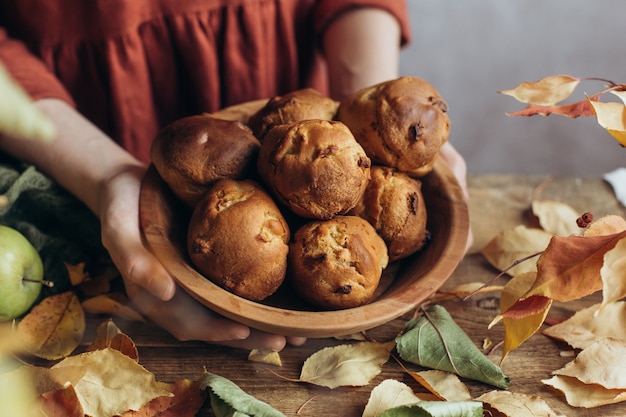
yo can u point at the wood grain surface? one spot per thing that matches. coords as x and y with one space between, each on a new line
497 203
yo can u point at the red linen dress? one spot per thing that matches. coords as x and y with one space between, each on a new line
132 66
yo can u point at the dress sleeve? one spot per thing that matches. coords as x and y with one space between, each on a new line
28 71
327 10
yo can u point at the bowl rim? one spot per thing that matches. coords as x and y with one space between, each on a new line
157 203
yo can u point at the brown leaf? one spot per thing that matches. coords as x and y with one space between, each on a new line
108 335
54 327
60 402
111 304
186 401
606 225
569 268
76 273
580 108
613 273
545 92
612 117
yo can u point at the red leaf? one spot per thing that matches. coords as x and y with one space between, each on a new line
581 108
60 402
523 308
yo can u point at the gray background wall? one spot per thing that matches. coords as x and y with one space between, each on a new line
469 50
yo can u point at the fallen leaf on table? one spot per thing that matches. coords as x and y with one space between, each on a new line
227 399
595 377
270 357
544 92
60 402
435 341
390 393
437 409
108 335
54 327
511 404
186 400
445 385
613 273
518 330
556 217
107 382
509 246
114 304
346 365
590 324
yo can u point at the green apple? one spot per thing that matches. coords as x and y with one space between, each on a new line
21 274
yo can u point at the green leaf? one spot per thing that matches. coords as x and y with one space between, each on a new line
435 341
228 400
437 409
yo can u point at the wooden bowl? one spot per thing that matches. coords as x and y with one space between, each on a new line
404 286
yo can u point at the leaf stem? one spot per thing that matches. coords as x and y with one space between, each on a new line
443 340
45 282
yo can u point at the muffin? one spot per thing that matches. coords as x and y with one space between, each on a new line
238 239
393 203
315 167
401 123
337 263
303 104
191 153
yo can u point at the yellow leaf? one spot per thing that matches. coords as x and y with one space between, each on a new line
445 385
106 304
270 357
556 217
54 327
76 273
613 273
513 245
590 324
612 117
107 382
390 393
516 404
346 365
545 92
518 330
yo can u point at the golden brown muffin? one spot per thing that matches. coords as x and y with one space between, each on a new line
394 205
400 123
315 167
336 264
296 106
191 153
238 239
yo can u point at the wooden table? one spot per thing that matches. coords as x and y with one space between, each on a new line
497 203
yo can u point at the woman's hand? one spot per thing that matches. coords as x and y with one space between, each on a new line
151 288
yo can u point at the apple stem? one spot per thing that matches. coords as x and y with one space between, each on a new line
45 282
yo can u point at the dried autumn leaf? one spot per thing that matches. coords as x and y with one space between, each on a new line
580 108
390 393
186 400
463 290
512 245
513 404
518 330
612 117
545 92
353 364
591 324
270 357
54 327
107 382
445 385
613 273
569 268
556 217
595 377
76 273
108 335
227 399
606 225
112 305
435 341
60 402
